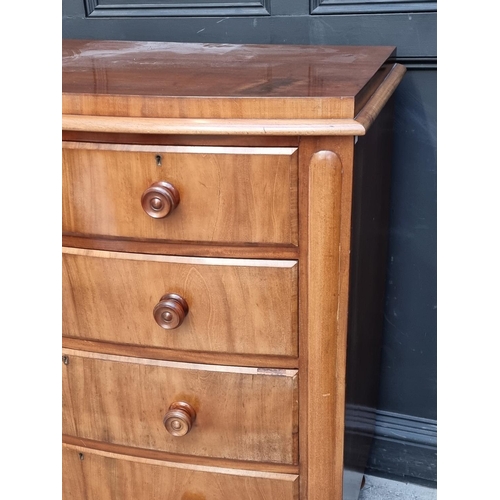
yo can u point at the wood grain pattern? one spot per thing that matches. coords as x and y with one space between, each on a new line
234 126
172 80
178 259
345 151
182 460
257 251
94 475
210 358
103 186
259 246
241 413
325 190
325 186
235 306
378 100
182 139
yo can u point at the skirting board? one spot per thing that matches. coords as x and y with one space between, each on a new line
404 447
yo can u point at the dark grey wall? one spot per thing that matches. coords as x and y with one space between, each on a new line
406 432
409 355
290 22
408 390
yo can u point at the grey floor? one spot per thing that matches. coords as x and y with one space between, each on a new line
377 488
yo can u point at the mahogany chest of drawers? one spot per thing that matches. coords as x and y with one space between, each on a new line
224 224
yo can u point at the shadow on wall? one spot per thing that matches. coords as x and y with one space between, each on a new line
405 435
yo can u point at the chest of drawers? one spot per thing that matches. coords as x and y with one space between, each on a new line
224 231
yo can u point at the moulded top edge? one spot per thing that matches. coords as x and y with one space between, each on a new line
186 80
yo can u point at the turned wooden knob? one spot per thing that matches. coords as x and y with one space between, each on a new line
160 199
170 312
179 418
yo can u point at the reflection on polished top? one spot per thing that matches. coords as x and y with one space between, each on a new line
323 81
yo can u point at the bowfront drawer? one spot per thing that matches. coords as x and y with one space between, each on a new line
215 305
202 410
95 475
181 193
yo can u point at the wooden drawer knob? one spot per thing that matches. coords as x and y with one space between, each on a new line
170 312
160 199
179 418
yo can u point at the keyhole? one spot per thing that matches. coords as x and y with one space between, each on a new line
158 160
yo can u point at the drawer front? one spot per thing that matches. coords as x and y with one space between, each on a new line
93 475
225 194
233 305
239 413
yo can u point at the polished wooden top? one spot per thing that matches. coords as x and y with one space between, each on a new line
171 80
